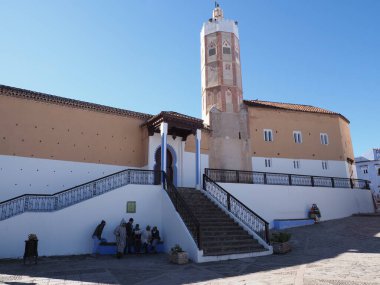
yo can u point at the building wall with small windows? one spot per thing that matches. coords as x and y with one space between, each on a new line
49 144
368 168
299 142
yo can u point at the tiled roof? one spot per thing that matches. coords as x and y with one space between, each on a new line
42 97
291 107
177 116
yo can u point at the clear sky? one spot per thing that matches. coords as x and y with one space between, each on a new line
144 55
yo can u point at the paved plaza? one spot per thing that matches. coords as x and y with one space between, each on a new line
339 252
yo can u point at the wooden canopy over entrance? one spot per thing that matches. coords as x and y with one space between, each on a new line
179 125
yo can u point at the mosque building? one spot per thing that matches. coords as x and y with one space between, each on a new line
51 144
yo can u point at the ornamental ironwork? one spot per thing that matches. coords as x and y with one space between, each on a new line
191 222
239 211
254 177
69 197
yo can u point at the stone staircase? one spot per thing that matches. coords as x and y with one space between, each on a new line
220 234
377 207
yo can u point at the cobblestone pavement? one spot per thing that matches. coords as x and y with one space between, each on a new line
339 252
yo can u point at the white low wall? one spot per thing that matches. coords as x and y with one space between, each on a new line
23 175
189 168
307 167
69 230
175 230
293 202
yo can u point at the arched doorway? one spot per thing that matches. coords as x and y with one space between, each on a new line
170 164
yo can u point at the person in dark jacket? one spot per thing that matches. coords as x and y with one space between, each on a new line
155 238
130 240
137 238
315 214
97 236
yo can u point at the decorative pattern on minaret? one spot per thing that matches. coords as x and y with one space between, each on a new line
220 65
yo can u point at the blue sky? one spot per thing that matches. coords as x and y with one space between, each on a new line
144 55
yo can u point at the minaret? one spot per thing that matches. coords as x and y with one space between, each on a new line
222 96
220 65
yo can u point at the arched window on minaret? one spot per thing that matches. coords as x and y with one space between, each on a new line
226 47
211 49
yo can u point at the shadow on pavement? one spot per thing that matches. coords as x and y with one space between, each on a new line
319 246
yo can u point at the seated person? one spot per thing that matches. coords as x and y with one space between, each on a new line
137 238
314 213
155 238
146 237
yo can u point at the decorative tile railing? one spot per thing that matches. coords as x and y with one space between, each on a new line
241 212
254 177
69 197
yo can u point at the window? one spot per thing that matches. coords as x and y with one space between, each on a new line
325 165
211 51
296 164
268 162
268 135
226 50
324 138
378 171
297 135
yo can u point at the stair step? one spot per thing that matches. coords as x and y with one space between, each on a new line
221 233
230 243
219 219
222 224
218 225
226 238
232 251
222 247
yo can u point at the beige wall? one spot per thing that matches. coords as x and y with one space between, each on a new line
190 143
230 141
44 130
348 151
283 123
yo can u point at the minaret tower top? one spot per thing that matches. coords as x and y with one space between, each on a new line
220 65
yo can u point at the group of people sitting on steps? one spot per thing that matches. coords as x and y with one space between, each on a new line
129 237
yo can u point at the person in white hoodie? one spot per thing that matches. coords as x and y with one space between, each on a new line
121 236
146 238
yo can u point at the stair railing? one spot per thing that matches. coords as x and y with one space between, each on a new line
77 194
255 177
184 210
240 211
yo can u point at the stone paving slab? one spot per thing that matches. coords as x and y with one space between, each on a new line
339 252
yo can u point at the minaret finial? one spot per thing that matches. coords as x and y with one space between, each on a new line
218 12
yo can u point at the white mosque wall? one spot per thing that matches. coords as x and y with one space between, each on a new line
189 168
293 202
69 230
307 167
183 161
23 175
176 232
